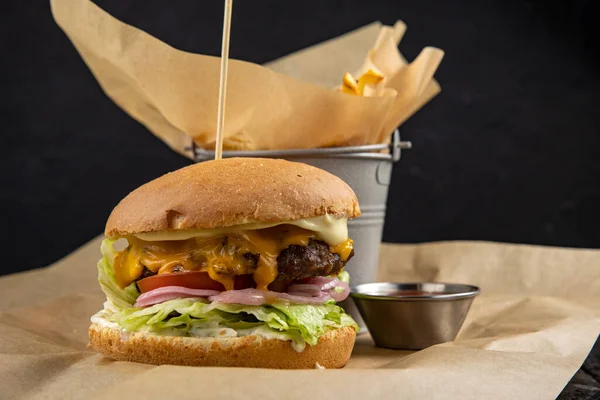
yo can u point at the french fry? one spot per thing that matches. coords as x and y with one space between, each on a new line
356 87
368 78
349 84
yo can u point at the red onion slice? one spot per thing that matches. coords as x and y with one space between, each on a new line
255 297
328 285
340 296
249 297
304 289
166 293
322 282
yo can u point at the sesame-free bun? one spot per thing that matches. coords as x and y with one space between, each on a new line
332 351
230 192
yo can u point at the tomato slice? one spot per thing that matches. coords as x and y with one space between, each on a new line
201 280
192 280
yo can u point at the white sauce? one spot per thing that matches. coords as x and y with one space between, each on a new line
331 230
100 319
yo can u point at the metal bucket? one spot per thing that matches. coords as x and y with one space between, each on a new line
368 171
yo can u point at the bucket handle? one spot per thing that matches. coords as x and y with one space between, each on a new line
398 145
395 148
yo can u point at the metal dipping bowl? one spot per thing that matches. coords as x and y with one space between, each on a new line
413 316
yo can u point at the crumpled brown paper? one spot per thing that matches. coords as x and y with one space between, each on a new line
174 93
523 338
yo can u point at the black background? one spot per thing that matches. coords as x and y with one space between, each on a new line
509 151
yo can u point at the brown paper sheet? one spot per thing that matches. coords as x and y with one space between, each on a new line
325 63
174 93
523 338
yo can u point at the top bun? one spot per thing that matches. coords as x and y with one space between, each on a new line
230 192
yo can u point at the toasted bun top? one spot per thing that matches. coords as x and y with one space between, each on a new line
230 192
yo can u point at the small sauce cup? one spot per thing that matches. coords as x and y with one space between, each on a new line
413 316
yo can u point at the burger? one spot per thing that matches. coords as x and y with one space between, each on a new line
236 262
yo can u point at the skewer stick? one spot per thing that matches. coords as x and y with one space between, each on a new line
223 79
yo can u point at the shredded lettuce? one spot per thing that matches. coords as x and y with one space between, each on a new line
300 324
121 298
344 276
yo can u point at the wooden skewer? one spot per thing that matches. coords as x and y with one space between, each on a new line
223 79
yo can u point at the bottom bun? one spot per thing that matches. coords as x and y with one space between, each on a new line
332 351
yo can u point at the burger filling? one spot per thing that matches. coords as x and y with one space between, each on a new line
279 282
255 258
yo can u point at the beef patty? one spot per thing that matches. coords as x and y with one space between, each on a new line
298 262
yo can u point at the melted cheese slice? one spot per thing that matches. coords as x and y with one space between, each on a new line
344 249
223 253
331 230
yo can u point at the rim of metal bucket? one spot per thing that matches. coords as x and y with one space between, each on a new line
365 151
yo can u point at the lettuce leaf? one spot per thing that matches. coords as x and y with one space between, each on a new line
301 324
121 298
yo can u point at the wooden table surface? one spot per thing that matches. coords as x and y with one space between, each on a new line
585 385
